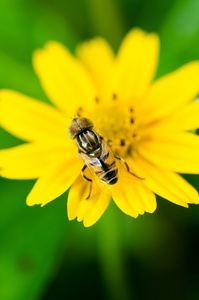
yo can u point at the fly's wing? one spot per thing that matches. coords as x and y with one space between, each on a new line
92 163
125 171
110 158
119 164
94 167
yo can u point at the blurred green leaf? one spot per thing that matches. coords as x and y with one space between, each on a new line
33 239
24 27
30 239
19 76
179 36
107 20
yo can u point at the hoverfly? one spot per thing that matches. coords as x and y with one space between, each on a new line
95 152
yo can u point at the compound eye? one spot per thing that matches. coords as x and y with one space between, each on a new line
73 129
78 125
84 123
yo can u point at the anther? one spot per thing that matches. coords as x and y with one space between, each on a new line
114 96
79 110
131 120
109 141
131 109
122 142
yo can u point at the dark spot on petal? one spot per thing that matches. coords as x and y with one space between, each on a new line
131 120
96 99
131 109
122 142
80 108
134 135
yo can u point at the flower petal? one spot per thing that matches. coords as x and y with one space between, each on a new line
31 120
54 181
64 79
177 152
171 91
166 184
88 210
184 119
98 57
136 64
29 161
132 196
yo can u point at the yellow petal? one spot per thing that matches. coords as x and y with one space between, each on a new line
136 64
132 196
31 120
166 184
171 91
64 79
54 181
177 152
78 191
30 160
184 119
98 57
87 210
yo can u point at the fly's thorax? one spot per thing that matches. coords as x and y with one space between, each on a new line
89 142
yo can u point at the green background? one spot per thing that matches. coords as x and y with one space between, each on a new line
42 254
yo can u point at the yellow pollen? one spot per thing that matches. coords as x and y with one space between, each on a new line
118 127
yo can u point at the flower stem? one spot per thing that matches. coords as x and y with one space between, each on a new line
112 257
107 20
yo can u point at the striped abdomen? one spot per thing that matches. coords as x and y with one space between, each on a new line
105 168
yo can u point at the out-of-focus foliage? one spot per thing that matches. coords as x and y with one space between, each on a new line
42 254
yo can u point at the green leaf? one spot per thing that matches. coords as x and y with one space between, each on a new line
31 239
179 35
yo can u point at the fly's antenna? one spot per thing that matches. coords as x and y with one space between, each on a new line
74 117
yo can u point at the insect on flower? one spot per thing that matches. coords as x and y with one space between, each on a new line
146 127
95 152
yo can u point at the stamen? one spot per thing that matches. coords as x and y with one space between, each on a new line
118 126
109 142
114 96
122 142
79 110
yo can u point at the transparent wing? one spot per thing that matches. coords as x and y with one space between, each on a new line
93 167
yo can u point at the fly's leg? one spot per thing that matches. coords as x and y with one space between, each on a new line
127 166
88 179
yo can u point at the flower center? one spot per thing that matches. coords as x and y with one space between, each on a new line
117 124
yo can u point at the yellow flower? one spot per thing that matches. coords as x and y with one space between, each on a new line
146 123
